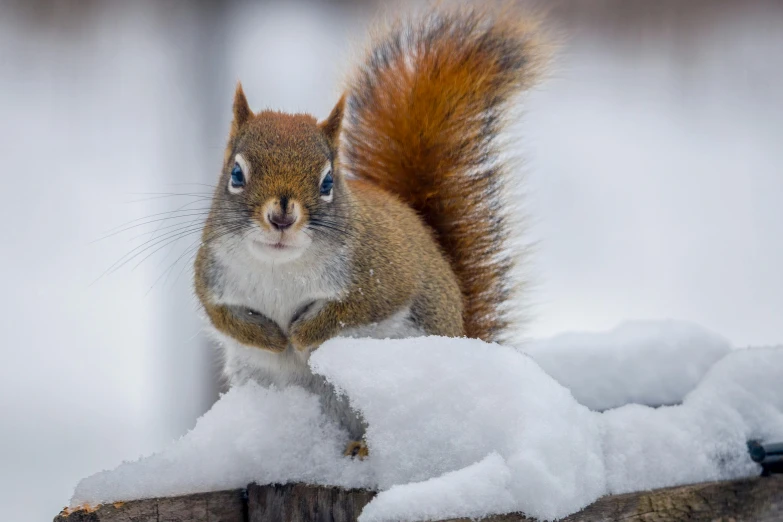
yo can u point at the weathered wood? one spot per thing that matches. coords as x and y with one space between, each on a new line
217 506
748 500
300 503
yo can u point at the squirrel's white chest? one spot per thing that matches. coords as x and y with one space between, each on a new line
276 291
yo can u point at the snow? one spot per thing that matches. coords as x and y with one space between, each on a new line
435 405
740 398
462 493
461 428
645 362
250 434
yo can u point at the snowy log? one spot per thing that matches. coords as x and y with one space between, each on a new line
756 499
508 439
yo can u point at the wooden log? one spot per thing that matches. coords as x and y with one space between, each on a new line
217 506
299 502
757 499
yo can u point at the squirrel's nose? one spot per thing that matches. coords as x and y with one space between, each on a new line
281 221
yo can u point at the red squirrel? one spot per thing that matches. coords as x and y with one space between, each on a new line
384 220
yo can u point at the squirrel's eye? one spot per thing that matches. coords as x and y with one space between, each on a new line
237 177
327 184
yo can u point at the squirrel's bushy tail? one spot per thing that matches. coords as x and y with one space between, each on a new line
424 113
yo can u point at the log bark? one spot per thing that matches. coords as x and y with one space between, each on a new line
747 500
757 499
216 506
299 503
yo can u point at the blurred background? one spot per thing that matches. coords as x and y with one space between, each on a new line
654 183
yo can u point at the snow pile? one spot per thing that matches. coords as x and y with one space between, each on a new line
470 492
460 428
250 434
645 362
436 405
740 398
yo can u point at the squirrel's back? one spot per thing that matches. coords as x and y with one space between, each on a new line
424 114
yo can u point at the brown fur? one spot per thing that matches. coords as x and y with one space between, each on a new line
247 326
423 226
425 110
396 262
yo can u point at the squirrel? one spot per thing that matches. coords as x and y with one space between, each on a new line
384 220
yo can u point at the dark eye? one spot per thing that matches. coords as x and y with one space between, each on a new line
237 177
327 184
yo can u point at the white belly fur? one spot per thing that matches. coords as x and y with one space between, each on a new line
278 292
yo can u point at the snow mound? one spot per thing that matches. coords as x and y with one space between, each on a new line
461 428
436 405
463 493
740 398
250 434
645 362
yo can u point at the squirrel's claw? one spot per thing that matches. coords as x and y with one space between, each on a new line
357 449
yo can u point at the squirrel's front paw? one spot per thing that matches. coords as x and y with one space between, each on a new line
277 344
304 330
298 335
357 449
255 329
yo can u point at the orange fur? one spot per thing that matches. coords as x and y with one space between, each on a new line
423 117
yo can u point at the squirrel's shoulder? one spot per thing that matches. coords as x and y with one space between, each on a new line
381 209
373 196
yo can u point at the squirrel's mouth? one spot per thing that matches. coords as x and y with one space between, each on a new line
279 245
279 248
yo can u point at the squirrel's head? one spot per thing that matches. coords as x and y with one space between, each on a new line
280 190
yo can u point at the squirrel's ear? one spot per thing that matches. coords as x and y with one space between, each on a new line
331 125
242 111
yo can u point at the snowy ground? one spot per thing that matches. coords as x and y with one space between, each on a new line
458 427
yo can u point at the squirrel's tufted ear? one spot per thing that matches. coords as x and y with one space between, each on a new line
242 111
331 125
